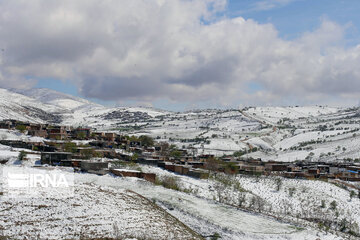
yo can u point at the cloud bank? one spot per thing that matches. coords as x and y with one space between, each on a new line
179 50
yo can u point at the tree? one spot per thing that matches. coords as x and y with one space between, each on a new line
21 128
134 157
88 153
146 141
175 154
164 148
70 147
81 135
230 167
212 164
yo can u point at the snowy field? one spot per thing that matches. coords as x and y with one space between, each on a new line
108 206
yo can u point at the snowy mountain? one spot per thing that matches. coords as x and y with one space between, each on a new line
46 105
17 106
61 100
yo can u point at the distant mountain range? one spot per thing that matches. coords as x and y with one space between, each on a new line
46 105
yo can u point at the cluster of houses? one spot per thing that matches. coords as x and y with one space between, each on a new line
58 150
301 169
55 132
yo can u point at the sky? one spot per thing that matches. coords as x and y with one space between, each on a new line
185 54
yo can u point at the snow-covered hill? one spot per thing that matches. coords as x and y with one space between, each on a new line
277 133
58 99
17 106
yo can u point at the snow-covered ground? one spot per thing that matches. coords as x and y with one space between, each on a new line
236 207
108 206
93 211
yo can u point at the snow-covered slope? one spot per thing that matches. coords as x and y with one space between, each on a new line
59 99
278 133
274 114
21 107
46 105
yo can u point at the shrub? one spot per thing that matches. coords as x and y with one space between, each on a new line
168 182
21 128
352 194
21 155
215 236
70 147
333 205
278 183
146 141
291 191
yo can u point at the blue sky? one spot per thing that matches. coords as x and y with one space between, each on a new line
291 19
294 17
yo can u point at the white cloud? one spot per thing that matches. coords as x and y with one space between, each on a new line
148 50
265 5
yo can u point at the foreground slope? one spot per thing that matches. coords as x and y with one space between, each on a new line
93 211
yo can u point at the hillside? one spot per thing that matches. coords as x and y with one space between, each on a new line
276 133
21 107
130 208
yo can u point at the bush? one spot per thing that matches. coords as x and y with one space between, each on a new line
21 128
352 194
278 183
323 204
146 141
215 236
333 205
291 191
168 182
70 147
21 155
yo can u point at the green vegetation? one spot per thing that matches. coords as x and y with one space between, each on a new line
168 182
333 205
81 135
22 155
215 236
21 128
70 147
146 141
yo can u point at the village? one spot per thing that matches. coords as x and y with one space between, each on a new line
101 152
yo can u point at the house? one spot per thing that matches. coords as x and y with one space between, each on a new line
6 124
276 167
149 161
57 133
38 133
314 171
198 173
93 166
170 167
55 158
16 144
181 169
109 136
132 173
98 135
82 133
